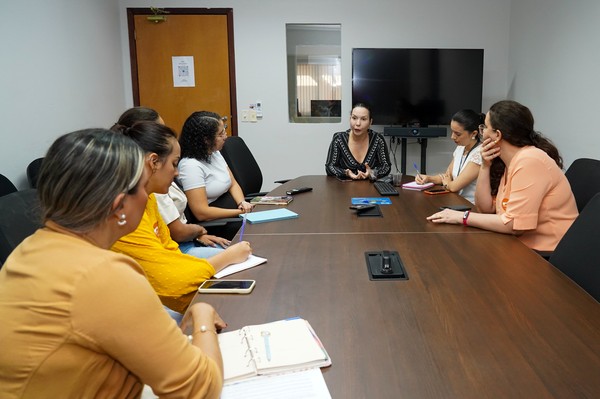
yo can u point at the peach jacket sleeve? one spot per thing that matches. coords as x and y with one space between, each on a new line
116 309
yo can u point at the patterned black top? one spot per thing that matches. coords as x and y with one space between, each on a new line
339 157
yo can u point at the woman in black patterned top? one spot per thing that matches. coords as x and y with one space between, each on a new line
358 153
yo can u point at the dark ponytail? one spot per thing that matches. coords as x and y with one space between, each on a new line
469 120
151 136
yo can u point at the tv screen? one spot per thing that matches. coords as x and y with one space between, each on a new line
417 87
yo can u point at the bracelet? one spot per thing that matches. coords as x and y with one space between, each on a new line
466 217
202 330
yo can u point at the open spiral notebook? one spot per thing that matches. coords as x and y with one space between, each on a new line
270 348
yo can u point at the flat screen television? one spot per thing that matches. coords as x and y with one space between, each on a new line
417 87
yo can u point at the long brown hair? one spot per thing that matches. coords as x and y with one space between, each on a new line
515 121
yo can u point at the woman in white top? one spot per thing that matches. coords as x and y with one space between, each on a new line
193 239
461 175
203 172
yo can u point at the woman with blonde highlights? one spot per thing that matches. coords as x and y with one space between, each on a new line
79 320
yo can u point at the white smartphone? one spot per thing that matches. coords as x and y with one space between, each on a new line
227 287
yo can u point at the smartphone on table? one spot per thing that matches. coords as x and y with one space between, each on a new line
434 191
362 207
227 286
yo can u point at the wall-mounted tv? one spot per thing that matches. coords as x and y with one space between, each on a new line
417 87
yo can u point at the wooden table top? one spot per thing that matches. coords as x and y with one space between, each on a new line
480 316
325 209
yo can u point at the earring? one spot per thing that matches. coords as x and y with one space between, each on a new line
122 220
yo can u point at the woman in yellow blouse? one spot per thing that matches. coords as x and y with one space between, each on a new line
174 275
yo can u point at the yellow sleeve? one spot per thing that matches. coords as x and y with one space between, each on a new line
115 309
171 273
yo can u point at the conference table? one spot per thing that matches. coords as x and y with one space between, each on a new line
481 315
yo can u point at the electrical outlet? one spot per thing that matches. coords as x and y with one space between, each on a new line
245 116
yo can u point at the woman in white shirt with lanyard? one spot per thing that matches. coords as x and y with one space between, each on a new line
461 175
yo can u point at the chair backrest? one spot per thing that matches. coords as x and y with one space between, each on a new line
6 186
20 217
33 170
584 178
575 254
243 165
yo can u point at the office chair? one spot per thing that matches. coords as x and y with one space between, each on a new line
20 217
575 254
224 227
33 170
244 167
6 186
584 178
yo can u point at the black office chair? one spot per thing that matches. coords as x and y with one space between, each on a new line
33 171
244 167
575 254
224 227
584 177
6 186
20 217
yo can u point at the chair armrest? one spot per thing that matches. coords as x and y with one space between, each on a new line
218 222
545 254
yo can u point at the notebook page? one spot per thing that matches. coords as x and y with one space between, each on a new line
290 343
237 358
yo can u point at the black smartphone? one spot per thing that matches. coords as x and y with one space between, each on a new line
362 207
456 207
298 190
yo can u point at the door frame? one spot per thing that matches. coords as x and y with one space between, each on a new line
228 12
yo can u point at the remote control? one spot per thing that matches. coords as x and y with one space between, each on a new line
298 190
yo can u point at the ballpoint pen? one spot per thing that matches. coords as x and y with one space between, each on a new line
416 168
243 226
265 335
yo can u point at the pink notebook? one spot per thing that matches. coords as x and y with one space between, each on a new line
415 186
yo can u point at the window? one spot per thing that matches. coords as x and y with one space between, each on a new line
314 73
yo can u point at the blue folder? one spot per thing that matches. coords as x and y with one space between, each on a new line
371 200
270 216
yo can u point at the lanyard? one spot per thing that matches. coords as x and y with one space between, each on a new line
464 158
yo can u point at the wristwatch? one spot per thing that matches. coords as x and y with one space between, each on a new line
466 217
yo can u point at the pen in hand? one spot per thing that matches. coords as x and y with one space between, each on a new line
242 228
417 169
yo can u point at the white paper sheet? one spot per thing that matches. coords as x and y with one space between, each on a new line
306 384
252 261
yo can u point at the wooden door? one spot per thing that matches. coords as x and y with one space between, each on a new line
204 34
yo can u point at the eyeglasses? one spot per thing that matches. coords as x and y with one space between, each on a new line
223 133
481 129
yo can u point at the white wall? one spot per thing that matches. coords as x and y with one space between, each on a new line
554 70
286 150
65 66
60 70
